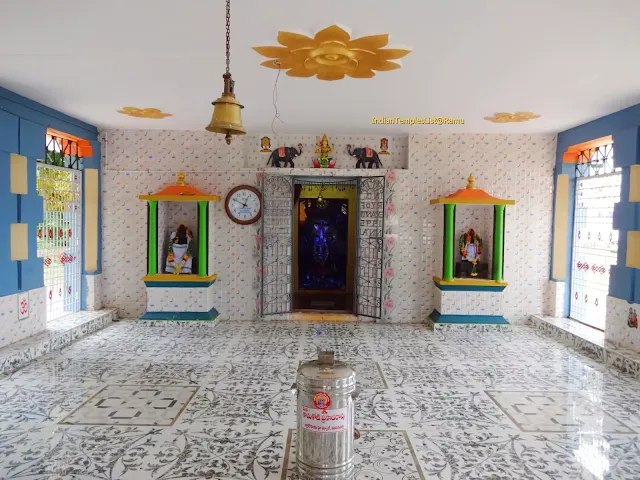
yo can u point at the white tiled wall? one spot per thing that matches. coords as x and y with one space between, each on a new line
12 329
94 291
124 240
555 299
510 166
181 299
471 303
617 330
519 167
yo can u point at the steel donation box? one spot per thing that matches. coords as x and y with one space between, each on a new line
325 390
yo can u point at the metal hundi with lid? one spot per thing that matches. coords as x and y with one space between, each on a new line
326 390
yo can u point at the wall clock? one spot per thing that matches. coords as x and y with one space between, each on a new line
244 204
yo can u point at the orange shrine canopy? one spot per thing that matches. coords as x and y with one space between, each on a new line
471 196
180 192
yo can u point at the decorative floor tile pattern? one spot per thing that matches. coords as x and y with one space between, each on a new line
490 455
589 340
379 454
556 412
59 334
145 405
443 405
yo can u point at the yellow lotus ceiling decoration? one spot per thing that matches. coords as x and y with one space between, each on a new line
512 117
331 54
144 112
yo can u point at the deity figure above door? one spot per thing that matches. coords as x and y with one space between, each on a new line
325 150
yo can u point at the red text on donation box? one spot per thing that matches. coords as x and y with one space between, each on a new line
326 421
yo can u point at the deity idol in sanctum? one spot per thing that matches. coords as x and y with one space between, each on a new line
324 149
180 248
470 249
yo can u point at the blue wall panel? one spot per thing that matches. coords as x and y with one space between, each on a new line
625 148
38 113
624 126
9 132
601 127
621 281
31 212
32 139
23 126
8 215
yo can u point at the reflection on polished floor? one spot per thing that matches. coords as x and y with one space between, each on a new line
138 402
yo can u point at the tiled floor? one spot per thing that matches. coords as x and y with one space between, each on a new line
136 402
58 334
590 340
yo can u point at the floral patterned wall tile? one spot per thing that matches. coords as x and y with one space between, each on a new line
93 287
621 328
511 166
170 150
13 329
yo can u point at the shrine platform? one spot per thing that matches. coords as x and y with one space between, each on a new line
180 297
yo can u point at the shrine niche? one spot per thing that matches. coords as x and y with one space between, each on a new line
472 273
177 256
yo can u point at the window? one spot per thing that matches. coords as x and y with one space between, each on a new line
59 183
595 242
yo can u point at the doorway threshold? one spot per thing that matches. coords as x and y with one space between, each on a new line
324 317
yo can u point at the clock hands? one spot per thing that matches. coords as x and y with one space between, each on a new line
238 201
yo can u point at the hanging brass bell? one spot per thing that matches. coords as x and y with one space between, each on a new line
227 117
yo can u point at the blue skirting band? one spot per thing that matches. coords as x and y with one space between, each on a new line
210 315
169 284
469 288
437 317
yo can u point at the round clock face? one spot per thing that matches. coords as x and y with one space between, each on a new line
244 204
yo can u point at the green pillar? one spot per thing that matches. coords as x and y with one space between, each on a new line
152 238
203 238
498 243
449 228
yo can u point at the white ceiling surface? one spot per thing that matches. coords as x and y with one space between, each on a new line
568 60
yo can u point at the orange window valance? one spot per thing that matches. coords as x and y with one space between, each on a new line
573 152
70 144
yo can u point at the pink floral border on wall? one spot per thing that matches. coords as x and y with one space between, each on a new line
257 258
390 240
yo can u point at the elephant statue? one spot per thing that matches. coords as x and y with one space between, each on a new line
365 156
284 155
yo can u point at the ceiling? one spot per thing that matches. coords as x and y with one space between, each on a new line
569 61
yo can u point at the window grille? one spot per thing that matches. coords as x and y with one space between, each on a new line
595 161
59 237
62 152
595 242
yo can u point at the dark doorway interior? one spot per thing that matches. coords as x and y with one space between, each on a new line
324 243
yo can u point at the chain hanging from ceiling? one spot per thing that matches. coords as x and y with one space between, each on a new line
227 117
228 37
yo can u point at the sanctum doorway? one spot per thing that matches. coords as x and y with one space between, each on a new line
324 236
322 244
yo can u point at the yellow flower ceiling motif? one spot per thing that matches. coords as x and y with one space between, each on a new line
144 112
512 117
332 54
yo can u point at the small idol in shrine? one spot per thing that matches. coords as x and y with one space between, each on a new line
180 252
470 249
